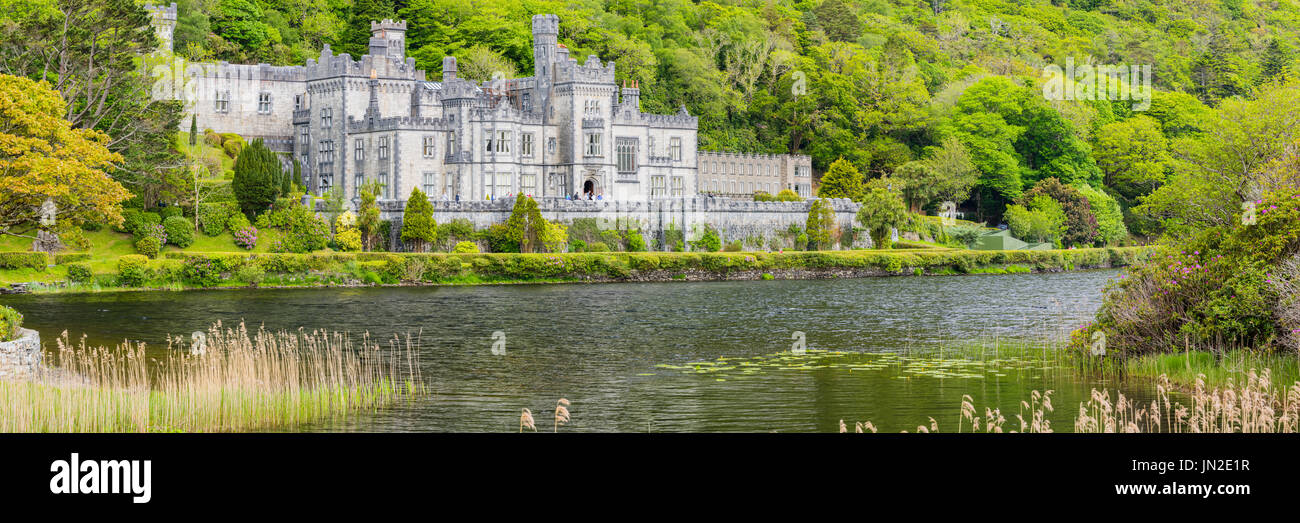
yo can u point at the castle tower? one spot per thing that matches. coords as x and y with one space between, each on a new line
546 31
388 38
632 95
163 21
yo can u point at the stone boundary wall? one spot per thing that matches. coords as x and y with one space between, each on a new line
21 357
747 221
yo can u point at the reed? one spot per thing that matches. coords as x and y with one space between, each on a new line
1255 404
242 381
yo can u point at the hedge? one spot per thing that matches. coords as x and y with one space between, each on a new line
621 265
24 260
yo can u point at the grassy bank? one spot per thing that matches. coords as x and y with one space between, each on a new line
239 381
187 269
1232 367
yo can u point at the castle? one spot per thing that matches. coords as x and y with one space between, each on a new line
567 131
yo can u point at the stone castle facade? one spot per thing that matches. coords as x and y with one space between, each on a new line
568 130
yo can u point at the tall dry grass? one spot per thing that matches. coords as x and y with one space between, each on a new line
1255 405
242 381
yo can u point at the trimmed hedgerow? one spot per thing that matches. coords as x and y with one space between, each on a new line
24 260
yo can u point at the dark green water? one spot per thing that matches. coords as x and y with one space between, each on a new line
602 346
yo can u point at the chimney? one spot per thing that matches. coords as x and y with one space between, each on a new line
632 94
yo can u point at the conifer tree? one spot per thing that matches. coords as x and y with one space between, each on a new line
419 230
842 180
255 183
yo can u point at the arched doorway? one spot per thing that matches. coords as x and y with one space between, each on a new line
589 189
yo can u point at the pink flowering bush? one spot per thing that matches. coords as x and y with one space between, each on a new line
246 237
1224 288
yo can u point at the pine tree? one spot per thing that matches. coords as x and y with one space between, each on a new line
842 180
1277 60
526 224
418 228
256 173
194 130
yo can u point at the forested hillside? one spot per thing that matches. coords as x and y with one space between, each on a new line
926 91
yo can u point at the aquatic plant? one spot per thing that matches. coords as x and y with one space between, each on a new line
242 381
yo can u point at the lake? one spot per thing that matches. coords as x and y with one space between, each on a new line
661 357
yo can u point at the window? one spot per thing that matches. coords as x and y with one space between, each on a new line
383 185
526 144
430 182
326 151
263 103
526 102
360 179
675 149
428 146
326 117
626 149
657 186
487 139
359 151
297 102
496 185
679 188
305 141
383 147
593 144
550 146
222 99
650 146
557 184
503 141
527 183
451 143
449 189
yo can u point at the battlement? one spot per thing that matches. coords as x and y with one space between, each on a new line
162 12
422 123
330 65
546 24
387 24
591 71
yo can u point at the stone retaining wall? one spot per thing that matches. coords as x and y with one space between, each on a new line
755 224
21 357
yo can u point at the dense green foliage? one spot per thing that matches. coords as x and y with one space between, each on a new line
180 232
419 231
257 179
10 321
820 228
881 212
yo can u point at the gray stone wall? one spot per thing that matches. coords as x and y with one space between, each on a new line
755 224
21 357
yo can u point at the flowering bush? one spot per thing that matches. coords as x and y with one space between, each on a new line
465 247
1222 288
246 237
303 230
346 234
201 271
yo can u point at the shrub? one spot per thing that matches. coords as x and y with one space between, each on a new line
250 274
232 148
201 271
24 260
10 321
132 270
820 225
964 234
213 217
882 210
138 223
734 246
237 221
1079 223
79 272
303 230
148 246
465 247
212 139
801 242
598 247
708 242
347 237
246 237
635 242
786 195
169 211
180 232
75 239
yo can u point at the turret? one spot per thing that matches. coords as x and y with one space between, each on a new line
388 38
546 31
448 68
